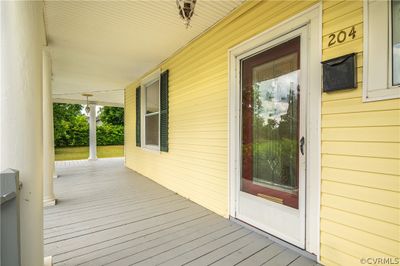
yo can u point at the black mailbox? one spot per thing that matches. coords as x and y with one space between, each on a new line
340 73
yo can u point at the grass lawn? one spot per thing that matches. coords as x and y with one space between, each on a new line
79 153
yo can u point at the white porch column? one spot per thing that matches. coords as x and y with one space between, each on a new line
55 175
92 133
48 133
21 128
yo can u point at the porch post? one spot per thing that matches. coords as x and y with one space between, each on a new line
92 132
55 175
48 133
21 127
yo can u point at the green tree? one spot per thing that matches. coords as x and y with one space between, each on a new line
65 111
64 117
71 127
112 115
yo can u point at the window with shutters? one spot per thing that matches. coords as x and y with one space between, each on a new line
381 50
152 112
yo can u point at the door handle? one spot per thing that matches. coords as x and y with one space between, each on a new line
302 145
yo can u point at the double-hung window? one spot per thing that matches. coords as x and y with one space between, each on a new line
381 50
151 114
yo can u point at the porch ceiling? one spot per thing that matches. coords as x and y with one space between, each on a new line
102 46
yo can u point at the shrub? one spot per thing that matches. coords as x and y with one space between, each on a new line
108 134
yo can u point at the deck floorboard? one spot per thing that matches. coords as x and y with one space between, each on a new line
110 215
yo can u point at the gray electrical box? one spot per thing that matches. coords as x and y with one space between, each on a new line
10 234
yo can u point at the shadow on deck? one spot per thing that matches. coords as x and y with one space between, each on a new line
108 214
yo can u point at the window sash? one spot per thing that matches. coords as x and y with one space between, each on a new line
152 138
150 96
149 82
394 65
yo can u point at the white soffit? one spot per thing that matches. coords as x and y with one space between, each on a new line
101 46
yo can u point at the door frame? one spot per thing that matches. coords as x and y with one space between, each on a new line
312 18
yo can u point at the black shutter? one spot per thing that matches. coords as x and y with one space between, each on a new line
164 112
138 118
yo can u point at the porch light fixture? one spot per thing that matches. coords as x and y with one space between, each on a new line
186 10
87 108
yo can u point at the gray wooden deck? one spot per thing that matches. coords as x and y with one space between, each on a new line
108 214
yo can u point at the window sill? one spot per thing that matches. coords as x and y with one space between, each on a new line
382 94
149 148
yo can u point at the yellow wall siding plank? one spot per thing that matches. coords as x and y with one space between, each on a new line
370 134
367 209
365 164
341 9
211 126
356 105
194 80
339 256
200 117
215 69
365 119
189 105
372 180
344 94
354 46
330 3
341 22
378 196
375 149
386 230
384 245
355 249
197 180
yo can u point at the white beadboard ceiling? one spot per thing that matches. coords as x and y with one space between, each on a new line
99 47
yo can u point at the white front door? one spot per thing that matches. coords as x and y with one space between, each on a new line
272 154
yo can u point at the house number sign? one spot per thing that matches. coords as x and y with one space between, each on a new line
342 36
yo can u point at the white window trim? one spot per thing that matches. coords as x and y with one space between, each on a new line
390 92
151 78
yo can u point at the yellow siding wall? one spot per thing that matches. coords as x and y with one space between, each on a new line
360 141
196 166
360 199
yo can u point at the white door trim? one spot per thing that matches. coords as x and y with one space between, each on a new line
292 228
313 18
